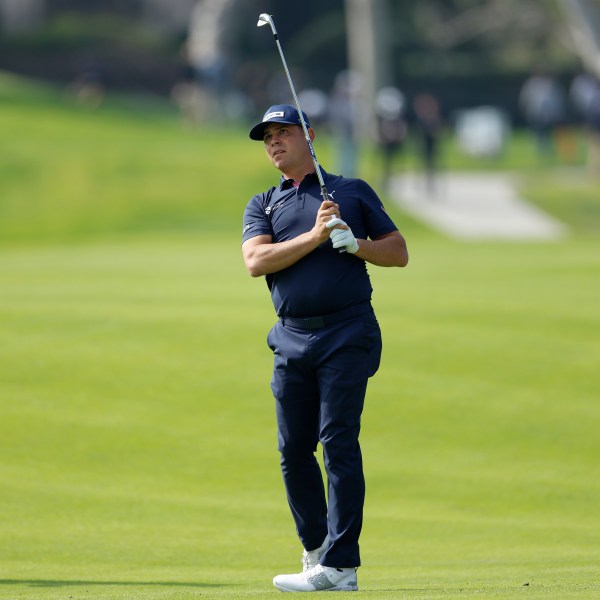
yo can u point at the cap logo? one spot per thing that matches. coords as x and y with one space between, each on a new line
273 115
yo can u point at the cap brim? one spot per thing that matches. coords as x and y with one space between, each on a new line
258 131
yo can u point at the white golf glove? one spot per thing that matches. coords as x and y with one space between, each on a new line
342 238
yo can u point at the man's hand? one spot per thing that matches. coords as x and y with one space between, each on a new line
328 211
341 236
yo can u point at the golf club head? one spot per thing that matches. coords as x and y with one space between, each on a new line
264 19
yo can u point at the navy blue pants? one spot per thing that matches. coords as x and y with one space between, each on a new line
319 383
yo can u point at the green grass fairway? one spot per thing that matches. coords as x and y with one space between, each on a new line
138 442
137 432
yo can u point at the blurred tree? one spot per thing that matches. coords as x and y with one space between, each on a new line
173 15
57 7
583 18
468 52
453 36
369 55
20 15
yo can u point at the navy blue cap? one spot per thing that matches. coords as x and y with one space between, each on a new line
278 113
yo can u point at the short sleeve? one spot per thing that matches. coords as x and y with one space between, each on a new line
377 221
256 222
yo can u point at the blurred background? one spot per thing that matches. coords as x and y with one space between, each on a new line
393 87
532 63
136 427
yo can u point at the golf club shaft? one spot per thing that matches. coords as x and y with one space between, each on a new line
262 20
324 192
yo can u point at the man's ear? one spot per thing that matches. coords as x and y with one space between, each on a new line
311 134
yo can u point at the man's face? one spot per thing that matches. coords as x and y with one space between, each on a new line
286 146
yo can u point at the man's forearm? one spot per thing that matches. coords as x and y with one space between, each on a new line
389 251
272 257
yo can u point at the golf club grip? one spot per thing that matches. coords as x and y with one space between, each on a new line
326 196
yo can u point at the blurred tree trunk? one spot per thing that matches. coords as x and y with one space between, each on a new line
583 19
584 23
368 54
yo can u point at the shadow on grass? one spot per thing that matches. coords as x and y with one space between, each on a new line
63 583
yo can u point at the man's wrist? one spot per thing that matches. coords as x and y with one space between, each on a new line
354 247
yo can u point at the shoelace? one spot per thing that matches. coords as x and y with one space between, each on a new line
310 559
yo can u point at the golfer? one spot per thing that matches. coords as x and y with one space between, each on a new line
326 343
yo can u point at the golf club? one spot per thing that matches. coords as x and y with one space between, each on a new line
265 19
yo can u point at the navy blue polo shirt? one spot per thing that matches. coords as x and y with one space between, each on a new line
325 280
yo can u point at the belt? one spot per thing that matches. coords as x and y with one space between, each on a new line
311 323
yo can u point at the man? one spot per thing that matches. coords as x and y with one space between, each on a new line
326 343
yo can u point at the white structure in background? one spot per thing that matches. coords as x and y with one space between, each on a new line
482 131
20 15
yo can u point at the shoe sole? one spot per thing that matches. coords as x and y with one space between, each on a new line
337 588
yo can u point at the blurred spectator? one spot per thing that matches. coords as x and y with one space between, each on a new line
585 96
429 123
211 78
88 88
342 118
542 102
185 93
390 108
207 59
584 88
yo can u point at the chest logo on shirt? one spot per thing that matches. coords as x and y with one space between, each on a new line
270 209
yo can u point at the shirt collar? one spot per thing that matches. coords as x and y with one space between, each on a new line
285 184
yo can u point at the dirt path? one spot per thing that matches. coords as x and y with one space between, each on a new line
474 206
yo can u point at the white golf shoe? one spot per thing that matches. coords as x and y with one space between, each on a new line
311 558
318 579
